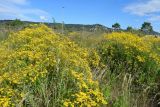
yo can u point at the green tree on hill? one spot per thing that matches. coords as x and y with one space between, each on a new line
129 28
116 26
147 27
16 22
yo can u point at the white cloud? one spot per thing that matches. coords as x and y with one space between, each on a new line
145 8
154 18
17 1
14 2
19 9
150 9
43 18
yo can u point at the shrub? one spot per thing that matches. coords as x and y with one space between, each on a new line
40 68
132 66
126 52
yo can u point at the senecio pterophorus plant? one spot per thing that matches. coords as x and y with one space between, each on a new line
127 52
41 68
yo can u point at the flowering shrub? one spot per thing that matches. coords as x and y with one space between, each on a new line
126 52
40 68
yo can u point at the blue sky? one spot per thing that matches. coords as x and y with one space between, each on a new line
107 12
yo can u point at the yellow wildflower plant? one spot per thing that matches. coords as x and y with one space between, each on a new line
41 68
127 52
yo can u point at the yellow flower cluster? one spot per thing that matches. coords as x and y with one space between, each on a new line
127 52
155 46
129 40
86 99
134 44
85 96
38 54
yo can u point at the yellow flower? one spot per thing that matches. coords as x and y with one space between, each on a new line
140 59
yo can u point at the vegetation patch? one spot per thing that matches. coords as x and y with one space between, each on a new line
40 68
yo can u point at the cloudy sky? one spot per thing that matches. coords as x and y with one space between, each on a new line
106 12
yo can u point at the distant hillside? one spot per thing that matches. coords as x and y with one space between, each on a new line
77 27
71 27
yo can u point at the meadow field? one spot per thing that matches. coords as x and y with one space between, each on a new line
40 66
